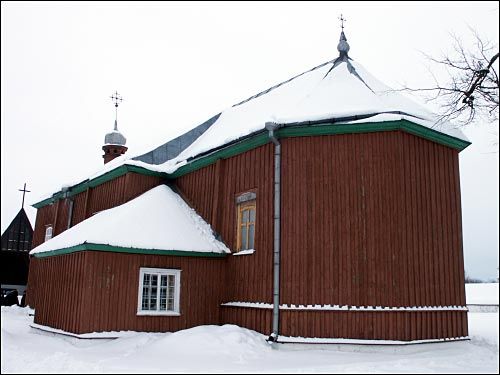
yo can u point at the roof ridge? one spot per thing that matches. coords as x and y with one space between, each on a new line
282 83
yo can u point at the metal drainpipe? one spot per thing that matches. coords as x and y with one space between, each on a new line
271 127
70 213
65 191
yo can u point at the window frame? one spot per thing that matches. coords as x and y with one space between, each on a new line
242 206
160 272
47 227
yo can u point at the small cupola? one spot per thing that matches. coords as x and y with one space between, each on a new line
343 47
114 142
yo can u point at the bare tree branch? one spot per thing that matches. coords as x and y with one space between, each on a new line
472 87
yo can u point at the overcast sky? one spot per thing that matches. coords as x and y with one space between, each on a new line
176 65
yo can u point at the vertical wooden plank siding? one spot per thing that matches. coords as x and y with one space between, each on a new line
102 197
61 221
44 216
59 291
390 210
98 291
400 326
367 220
249 276
79 207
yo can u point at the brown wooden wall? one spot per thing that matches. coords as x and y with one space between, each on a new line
212 192
55 287
393 325
102 197
44 216
259 320
365 213
97 291
371 220
367 220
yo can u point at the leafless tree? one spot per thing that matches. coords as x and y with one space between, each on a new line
471 90
471 280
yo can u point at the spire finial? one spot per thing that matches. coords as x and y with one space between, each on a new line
342 19
343 47
116 99
24 192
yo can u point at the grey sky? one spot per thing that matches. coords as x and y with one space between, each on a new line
176 65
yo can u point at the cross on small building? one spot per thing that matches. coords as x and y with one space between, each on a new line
342 19
24 193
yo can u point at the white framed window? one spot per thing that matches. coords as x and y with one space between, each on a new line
159 291
48 232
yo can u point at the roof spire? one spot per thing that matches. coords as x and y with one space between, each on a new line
343 47
114 142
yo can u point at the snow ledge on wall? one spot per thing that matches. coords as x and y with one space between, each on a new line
263 305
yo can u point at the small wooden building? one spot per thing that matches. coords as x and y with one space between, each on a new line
338 199
14 255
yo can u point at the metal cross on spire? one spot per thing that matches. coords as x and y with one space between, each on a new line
342 20
24 192
116 99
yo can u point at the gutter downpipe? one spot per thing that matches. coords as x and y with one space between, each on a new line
271 127
65 191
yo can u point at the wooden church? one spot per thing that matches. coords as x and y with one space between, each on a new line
14 254
325 207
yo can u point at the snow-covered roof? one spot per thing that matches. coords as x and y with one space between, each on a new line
339 91
333 91
158 219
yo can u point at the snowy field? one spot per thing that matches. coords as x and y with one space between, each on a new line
228 348
482 294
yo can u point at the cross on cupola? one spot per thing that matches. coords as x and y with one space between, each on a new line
342 20
24 193
117 99
343 46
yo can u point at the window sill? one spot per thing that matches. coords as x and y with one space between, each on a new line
157 313
245 252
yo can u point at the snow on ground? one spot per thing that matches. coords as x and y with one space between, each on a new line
482 294
228 348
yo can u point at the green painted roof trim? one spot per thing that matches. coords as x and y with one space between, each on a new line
262 138
129 250
322 129
371 127
114 173
235 149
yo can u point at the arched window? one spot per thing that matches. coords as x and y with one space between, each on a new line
48 232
